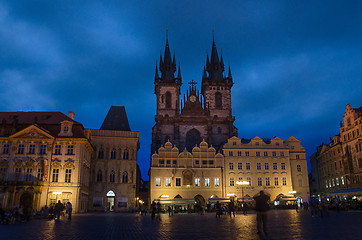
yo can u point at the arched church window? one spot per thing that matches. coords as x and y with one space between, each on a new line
113 153
193 137
112 177
100 153
218 100
168 100
125 177
99 176
125 154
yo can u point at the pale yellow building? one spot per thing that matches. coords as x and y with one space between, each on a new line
114 164
44 157
277 167
186 178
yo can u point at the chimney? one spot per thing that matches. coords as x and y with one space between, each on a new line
71 115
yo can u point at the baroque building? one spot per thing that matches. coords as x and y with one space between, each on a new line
337 166
44 157
48 156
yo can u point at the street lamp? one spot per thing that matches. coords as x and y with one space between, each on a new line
242 184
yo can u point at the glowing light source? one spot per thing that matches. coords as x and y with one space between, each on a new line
242 183
164 196
230 194
57 193
292 192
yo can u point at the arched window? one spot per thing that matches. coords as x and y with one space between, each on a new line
112 177
218 100
113 153
168 100
99 176
125 177
100 153
193 137
125 154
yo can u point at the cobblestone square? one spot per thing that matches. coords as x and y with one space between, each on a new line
282 224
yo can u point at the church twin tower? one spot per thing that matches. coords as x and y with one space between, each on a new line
206 116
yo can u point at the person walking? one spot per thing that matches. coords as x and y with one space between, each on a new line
57 209
69 210
262 207
245 208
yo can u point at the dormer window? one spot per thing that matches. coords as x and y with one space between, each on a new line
66 129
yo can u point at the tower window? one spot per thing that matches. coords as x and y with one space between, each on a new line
168 100
218 100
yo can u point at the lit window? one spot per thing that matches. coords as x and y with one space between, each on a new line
342 180
178 182
275 166
284 181
249 180
265 154
266 166
29 174
337 182
247 166
55 175
267 181
40 174
207 182
260 183
326 184
276 181
240 166
231 166
197 182
32 149
231 182
333 182
283 166
258 166
217 182
158 182
68 175
168 182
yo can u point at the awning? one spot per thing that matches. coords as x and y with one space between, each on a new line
221 200
176 201
345 191
287 199
246 199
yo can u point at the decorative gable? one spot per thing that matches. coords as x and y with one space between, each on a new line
32 132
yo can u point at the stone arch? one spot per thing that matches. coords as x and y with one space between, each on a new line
193 137
26 201
168 99
200 200
125 177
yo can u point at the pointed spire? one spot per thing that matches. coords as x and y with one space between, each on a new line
174 60
179 71
167 66
204 75
156 72
229 75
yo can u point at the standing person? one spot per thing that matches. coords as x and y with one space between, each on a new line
231 208
218 209
69 210
57 209
262 207
169 211
153 210
245 208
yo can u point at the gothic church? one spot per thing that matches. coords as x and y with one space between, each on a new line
187 122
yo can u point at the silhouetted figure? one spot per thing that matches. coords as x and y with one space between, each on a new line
57 209
169 210
69 210
218 209
245 208
231 208
153 210
262 207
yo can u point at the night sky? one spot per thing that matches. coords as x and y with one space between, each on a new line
295 64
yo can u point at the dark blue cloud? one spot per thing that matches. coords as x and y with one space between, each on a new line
295 64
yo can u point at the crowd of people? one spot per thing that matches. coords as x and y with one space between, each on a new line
17 214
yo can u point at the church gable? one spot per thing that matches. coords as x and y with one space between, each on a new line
32 132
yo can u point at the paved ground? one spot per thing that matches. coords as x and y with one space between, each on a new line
282 224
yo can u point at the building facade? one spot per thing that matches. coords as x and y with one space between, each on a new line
44 157
337 166
114 164
277 167
185 177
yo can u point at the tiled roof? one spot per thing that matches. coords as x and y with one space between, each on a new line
116 119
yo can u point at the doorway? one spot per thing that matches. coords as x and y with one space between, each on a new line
26 201
110 201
